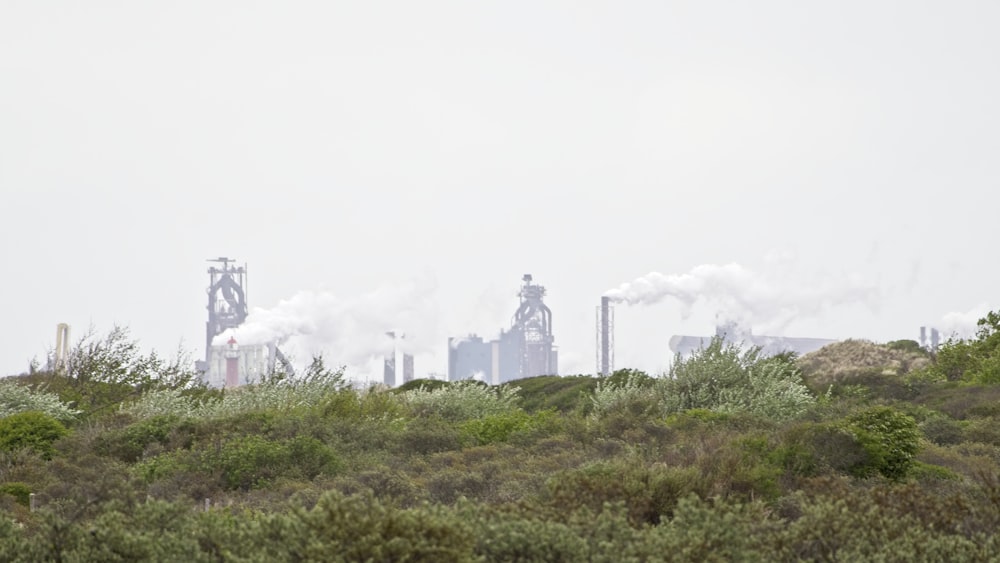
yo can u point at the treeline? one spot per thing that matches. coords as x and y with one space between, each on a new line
858 452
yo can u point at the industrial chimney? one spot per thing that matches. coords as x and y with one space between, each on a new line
605 337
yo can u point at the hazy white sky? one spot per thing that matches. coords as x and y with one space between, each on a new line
358 151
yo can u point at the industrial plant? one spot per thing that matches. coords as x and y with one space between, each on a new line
524 350
231 364
734 334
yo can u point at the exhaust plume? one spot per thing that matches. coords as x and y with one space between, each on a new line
745 297
963 324
349 332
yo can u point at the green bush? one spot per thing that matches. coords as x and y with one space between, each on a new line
891 439
649 492
15 398
32 430
20 491
499 428
245 462
462 400
563 393
809 449
129 443
429 435
723 377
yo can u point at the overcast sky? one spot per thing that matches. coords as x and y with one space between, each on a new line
407 162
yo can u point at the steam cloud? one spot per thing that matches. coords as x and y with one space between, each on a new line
746 297
347 332
963 324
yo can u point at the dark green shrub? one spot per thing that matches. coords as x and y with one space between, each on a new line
942 430
648 492
810 449
891 439
33 430
545 392
499 428
20 491
129 443
429 435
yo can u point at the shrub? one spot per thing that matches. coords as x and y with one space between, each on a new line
810 449
33 430
429 435
723 377
462 400
563 393
129 443
890 437
20 491
16 398
648 492
499 428
274 395
245 462
632 396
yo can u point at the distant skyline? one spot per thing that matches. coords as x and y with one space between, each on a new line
406 163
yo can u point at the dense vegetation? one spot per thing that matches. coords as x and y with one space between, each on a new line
860 451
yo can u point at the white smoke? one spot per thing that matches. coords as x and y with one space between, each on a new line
346 331
962 324
744 297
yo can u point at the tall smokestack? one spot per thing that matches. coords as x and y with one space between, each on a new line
605 337
389 362
232 364
62 347
407 368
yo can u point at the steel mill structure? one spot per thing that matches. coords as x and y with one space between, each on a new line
735 334
229 363
526 349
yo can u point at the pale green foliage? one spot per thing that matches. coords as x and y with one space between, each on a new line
721 377
462 400
771 389
275 394
725 378
117 358
633 395
16 398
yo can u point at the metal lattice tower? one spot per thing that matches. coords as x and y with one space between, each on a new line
227 300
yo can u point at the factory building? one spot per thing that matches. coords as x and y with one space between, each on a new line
731 333
524 350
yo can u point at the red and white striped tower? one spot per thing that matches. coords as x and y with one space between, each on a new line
232 363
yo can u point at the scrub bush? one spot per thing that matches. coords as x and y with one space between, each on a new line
31 430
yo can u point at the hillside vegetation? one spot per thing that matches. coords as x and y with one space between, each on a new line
860 451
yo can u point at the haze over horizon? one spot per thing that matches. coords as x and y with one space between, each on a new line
816 170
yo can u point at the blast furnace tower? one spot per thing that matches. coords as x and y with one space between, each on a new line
227 300
525 350
532 328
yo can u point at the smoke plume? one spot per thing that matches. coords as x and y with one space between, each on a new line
963 324
736 294
350 331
